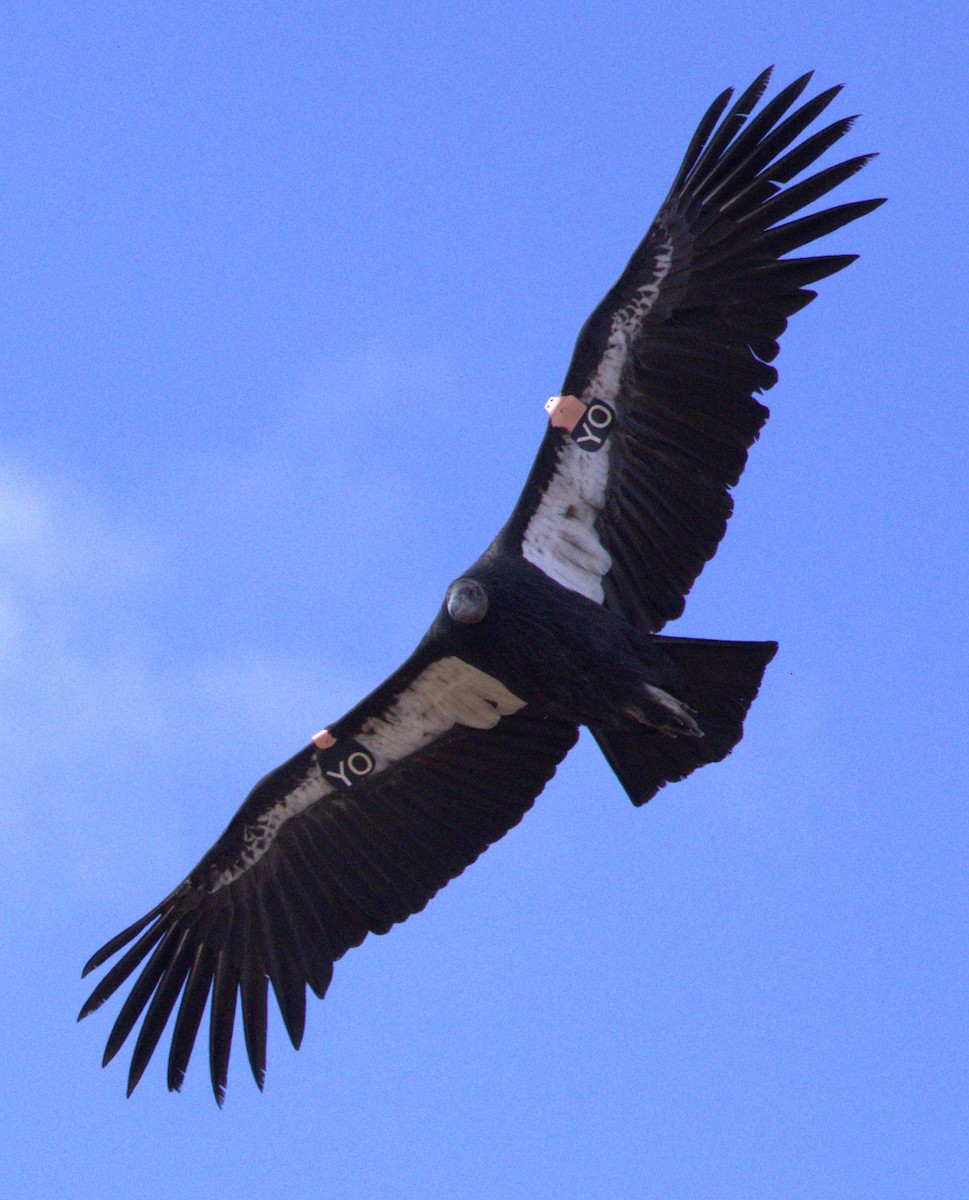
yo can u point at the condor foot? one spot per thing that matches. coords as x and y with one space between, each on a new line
665 713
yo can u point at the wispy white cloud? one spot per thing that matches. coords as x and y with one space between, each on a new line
91 706
64 569
51 536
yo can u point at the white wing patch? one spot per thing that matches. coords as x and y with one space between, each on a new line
561 538
447 693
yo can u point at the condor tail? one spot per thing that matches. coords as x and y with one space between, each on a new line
723 679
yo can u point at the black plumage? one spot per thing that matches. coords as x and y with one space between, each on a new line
556 625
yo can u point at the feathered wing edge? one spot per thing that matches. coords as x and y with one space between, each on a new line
357 861
680 346
687 412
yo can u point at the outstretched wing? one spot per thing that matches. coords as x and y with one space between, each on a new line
352 835
629 495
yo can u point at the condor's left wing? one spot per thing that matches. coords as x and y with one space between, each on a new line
630 493
355 833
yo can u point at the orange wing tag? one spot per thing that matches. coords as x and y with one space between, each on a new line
565 412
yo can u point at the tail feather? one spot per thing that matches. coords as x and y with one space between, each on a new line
723 679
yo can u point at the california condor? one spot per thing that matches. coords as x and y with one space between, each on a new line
554 627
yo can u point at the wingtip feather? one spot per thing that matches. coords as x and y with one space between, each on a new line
99 957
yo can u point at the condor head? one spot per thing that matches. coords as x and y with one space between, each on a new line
466 602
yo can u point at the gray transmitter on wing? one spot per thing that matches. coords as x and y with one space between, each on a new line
556 626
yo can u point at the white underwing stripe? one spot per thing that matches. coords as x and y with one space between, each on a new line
626 324
260 835
447 693
561 538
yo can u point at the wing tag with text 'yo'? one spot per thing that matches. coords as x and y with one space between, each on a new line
343 762
589 424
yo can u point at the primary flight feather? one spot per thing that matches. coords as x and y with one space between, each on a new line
554 627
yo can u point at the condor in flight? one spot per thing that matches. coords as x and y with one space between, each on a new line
554 627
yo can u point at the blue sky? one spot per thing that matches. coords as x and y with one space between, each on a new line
285 288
